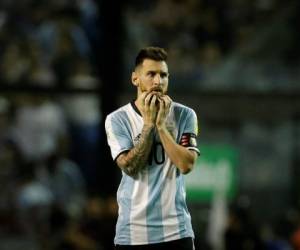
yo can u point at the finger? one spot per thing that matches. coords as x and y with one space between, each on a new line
157 93
142 97
148 98
161 110
167 101
153 101
162 101
167 98
149 93
161 104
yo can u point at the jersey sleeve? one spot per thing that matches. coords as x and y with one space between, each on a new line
188 138
118 136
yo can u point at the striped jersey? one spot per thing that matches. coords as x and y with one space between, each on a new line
152 206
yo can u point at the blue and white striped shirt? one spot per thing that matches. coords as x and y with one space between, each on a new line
152 207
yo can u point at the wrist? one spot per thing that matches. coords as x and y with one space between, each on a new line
160 127
149 126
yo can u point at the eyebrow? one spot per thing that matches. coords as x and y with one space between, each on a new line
158 71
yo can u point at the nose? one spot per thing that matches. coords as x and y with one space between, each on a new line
157 79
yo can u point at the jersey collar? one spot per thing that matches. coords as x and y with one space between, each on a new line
135 108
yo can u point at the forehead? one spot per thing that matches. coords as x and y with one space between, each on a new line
152 65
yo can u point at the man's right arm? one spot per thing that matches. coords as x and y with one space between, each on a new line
134 160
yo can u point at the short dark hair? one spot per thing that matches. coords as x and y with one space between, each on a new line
154 53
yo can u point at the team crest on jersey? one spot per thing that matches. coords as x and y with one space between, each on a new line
171 127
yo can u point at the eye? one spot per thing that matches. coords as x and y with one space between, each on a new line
151 73
163 75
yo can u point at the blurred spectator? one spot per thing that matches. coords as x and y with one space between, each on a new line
63 177
277 235
40 72
33 203
39 42
15 63
70 43
10 160
94 230
99 220
295 235
90 20
39 125
296 239
6 113
83 113
242 233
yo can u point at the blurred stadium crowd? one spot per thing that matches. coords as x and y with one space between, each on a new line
50 144
232 44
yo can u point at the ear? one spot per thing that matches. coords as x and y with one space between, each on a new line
135 79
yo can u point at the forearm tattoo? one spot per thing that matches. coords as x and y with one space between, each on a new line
136 159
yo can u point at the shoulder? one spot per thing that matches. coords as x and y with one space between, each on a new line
182 109
118 114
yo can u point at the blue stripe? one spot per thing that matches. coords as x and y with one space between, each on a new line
121 128
154 210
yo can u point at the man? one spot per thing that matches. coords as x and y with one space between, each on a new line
153 141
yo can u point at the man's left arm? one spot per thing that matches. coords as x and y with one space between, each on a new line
182 157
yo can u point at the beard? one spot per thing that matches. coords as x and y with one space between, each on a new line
158 91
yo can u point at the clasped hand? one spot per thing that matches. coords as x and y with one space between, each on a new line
154 107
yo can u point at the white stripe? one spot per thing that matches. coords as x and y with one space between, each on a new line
138 218
136 121
112 140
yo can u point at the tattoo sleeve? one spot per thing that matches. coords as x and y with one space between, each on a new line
135 160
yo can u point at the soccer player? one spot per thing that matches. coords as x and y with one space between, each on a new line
153 141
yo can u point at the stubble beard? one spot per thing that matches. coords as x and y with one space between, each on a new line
156 90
